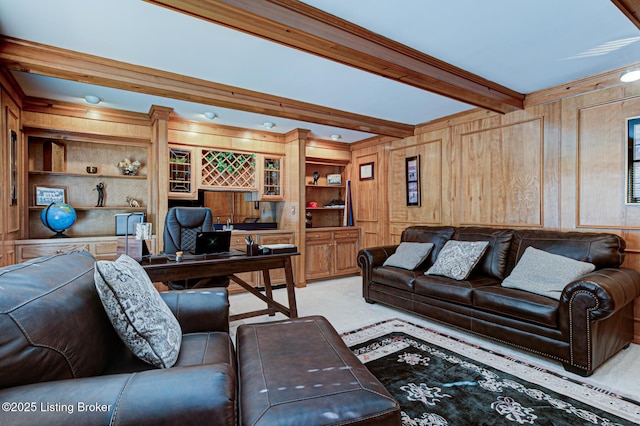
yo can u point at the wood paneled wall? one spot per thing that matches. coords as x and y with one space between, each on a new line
555 165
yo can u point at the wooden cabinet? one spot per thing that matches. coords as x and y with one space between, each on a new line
271 178
62 163
325 189
182 172
331 253
103 248
277 275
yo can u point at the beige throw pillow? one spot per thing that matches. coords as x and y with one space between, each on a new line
141 318
457 259
409 255
545 273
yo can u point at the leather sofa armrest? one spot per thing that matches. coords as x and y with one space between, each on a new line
602 293
180 395
370 258
205 309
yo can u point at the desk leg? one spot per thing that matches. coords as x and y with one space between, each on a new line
268 290
288 272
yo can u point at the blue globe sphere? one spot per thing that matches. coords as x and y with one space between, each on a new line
58 217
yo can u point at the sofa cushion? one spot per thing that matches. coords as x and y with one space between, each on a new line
460 291
458 258
545 273
141 318
409 255
438 235
494 261
518 304
53 325
603 250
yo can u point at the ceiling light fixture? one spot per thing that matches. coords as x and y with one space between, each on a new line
210 115
269 125
335 137
630 75
92 99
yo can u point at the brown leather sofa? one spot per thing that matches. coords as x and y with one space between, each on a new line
591 322
62 363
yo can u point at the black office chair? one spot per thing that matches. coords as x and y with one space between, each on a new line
181 226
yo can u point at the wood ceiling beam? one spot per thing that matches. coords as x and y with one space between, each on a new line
298 25
631 9
35 58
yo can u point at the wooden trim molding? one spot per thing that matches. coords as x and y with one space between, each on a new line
630 8
295 24
36 58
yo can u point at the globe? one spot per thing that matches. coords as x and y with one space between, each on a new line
58 217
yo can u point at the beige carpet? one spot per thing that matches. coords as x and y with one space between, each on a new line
341 302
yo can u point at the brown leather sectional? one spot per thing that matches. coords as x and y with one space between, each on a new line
62 363
591 322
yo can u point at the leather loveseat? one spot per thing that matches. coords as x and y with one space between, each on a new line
591 321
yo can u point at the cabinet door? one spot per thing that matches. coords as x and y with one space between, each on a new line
271 179
182 173
319 254
346 252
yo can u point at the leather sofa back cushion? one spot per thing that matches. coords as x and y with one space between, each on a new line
603 250
494 261
438 235
53 324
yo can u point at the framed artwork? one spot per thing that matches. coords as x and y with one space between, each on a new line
45 195
334 179
13 168
414 197
366 171
633 161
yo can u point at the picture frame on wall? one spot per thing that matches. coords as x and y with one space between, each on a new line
45 195
366 171
633 161
414 196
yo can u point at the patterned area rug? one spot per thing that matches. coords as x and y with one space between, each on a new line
441 380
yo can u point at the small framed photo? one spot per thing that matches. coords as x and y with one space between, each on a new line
366 171
414 196
45 195
335 179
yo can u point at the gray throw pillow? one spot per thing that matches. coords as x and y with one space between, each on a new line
544 273
457 259
141 318
409 255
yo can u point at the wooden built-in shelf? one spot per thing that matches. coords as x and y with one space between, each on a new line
88 208
46 173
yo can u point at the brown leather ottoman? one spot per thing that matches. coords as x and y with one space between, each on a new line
300 372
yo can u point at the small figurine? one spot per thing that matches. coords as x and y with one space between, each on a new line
132 202
100 188
316 176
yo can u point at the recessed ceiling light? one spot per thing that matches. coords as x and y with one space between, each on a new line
92 99
269 125
630 75
335 137
211 115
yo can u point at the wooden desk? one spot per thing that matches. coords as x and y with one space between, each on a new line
216 265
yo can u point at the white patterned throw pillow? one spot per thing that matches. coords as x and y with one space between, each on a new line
545 273
141 318
409 255
457 259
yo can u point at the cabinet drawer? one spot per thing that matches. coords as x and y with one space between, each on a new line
238 242
318 235
344 235
30 252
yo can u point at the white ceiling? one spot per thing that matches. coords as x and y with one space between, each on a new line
523 45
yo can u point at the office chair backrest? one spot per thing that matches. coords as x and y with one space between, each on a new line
182 225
